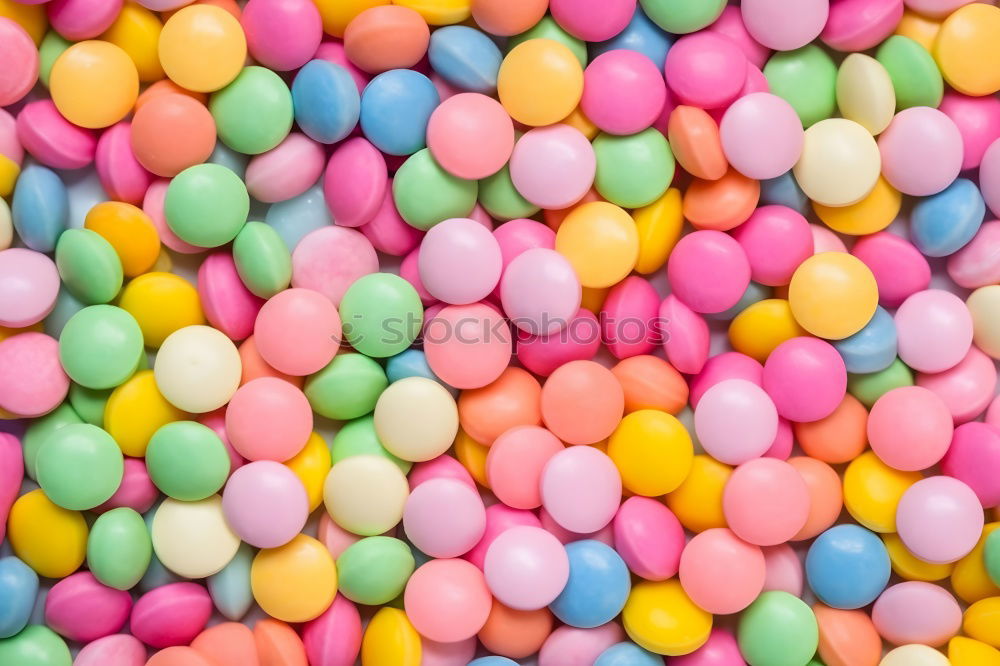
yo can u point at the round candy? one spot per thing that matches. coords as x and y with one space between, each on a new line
552 167
33 379
873 213
513 399
935 330
347 387
191 539
581 489
171 133
79 466
778 626
899 268
865 93
381 315
840 162
365 494
582 403
703 253
649 538
197 369
705 70
635 170
459 261
395 109
187 461
268 419
939 519
770 518
88 266
100 346
470 135
297 331
981 304
526 568
540 291
206 205
623 91
444 518
649 440
48 538
80 608
847 567
94 84
265 504
119 548
29 283
944 222
40 208
22 57
326 101
910 428
264 91
416 419
778 26
800 361
761 135
295 582
372 571
897 619
36 643
694 138
129 231
735 403
598 585
833 295
268 24
720 572
921 136
465 58
53 140
426 194
447 600
540 82
967 38
974 265
386 37
202 48
776 239
600 240
660 617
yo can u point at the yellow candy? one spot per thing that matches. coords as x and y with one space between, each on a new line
833 295
872 491
9 171
873 213
581 123
193 539
919 28
659 225
914 655
163 263
311 465
697 502
969 578
601 241
30 17
8 332
840 162
203 48
593 299
909 566
984 304
660 617
390 639
865 93
964 651
439 12
762 326
135 410
652 451
94 84
472 455
540 82
336 14
51 540
161 303
129 231
295 582
982 621
967 49
137 32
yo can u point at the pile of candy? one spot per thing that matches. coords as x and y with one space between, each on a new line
236 430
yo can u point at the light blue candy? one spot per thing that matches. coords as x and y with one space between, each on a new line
597 588
847 567
395 108
296 217
755 292
784 191
628 654
230 588
225 156
640 35
411 363
40 210
326 101
66 306
942 223
18 589
871 349
493 660
466 58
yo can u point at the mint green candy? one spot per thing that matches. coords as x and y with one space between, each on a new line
683 16
374 570
89 403
36 645
119 548
88 266
358 438
778 629
501 200
547 28
381 314
426 194
991 556
634 170
871 386
262 259
187 461
79 466
39 430
206 205
52 46
806 78
100 346
230 588
347 387
253 114
914 74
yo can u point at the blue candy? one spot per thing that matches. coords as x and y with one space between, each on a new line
847 567
871 349
295 218
493 660
411 363
942 223
230 588
466 58
18 589
784 191
628 654
640 35
41 208
225 156
395 108
597 588
326 101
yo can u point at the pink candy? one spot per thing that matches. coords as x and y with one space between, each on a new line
921 151
762 135
916 612
592 20
806 378
899 269
268 419
708 271
649 538
705 70
388 232
629 325
459 261
553 167
978 263
32 380
172 614
685 335
334 638
776 240
934 329
331 259
282 34
579 341
77 20
265 504
857 25
909 428
81 609
228 304
623 92
53 140
355 182
470 135
287 170
974 458
121 175
540 291
20 58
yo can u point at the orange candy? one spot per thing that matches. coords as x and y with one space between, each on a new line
838 438
129 231
513 399
386 37
650 382
694 138
228 644
721 204
171 133
826 496
254 366
508 17
515 633
165 87
847 637
582 402
278 644
179 655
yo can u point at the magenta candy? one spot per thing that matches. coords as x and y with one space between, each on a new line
20 58
806 378
705 69
649 538
974 459
783 569
11 475
499 518
783 442
978 121
442 467
993 413
287 170
540 291
899 268
334 638
553 167
728 365
916 612
172 614
77 20
934 329
10 145
32 379
708 271
623 91
909 428
592 20
331 259
136 490
776 240
282 34
761 134
355 182
388 232
921 151
939 519
857 25
53 140
409 270
967 388
978 263
569 645
459 261
785 26
629 318
685 335
152 205
228 304
117 649
121 175
579 341
721 649
82 609
730 24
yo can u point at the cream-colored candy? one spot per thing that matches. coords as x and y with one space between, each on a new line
984 306
192 539
416 419
198 369
865 93
840 162
914 655
365 494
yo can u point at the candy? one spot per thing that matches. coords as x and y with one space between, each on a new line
202 48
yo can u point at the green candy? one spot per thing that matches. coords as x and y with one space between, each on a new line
262 259
547 28
871 386
381 314
253 114
778 629
634 170
501 200
187 461
100 346
79 466
374 570
119 548
40 429
806 78
358 438
36 645
426 194
991 556
206 205
347 387
230 588
89 403
683 16
52 46
915 76
88 266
